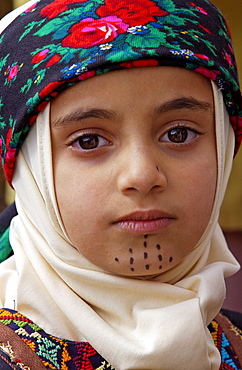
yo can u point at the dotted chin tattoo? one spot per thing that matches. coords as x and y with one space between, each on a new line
131 260
146 256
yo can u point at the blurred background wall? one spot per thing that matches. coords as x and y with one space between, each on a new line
231 213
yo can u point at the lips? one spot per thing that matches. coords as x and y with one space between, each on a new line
144 222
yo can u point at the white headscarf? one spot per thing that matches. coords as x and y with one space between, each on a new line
153 324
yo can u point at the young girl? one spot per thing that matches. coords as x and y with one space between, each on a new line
119 123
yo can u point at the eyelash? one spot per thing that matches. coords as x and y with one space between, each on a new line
188 130
91 136
94 136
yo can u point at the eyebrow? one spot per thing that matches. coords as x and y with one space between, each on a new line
184 103
188 103
83 113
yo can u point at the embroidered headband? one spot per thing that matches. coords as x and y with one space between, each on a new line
57 43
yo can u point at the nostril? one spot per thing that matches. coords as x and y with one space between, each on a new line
131 188
143 176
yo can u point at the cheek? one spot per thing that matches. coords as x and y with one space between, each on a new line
207 181
81 201
199 192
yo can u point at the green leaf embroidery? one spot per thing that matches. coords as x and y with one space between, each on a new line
27 86
29 28
2 123
210 46
88 7
5 247
170 32
228 78
125 55
1 38
54 25
40 75
222 33
210 63
168 5
3 61
60 26
153 39
175 20
189 12
32 102
12 122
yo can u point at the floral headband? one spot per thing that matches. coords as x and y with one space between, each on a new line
57 43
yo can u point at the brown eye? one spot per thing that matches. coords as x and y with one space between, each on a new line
178 135
88 142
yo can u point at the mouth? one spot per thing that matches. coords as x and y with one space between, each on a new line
144 222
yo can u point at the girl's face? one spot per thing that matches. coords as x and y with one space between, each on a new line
135 166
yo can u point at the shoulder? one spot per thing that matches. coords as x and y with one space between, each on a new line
5 360
226 330
14 352
24 342
5 218
234 317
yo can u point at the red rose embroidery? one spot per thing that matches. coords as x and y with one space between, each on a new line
55 59
31 8
199 8
56 7
228 58
90 32
133 12
201 56
13 72
86 75
41 55
208 73
49 89
205 29
230 49
10 157
8 169
140 63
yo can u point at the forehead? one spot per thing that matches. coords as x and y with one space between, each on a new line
138 87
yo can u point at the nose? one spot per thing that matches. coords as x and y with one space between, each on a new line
141 172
